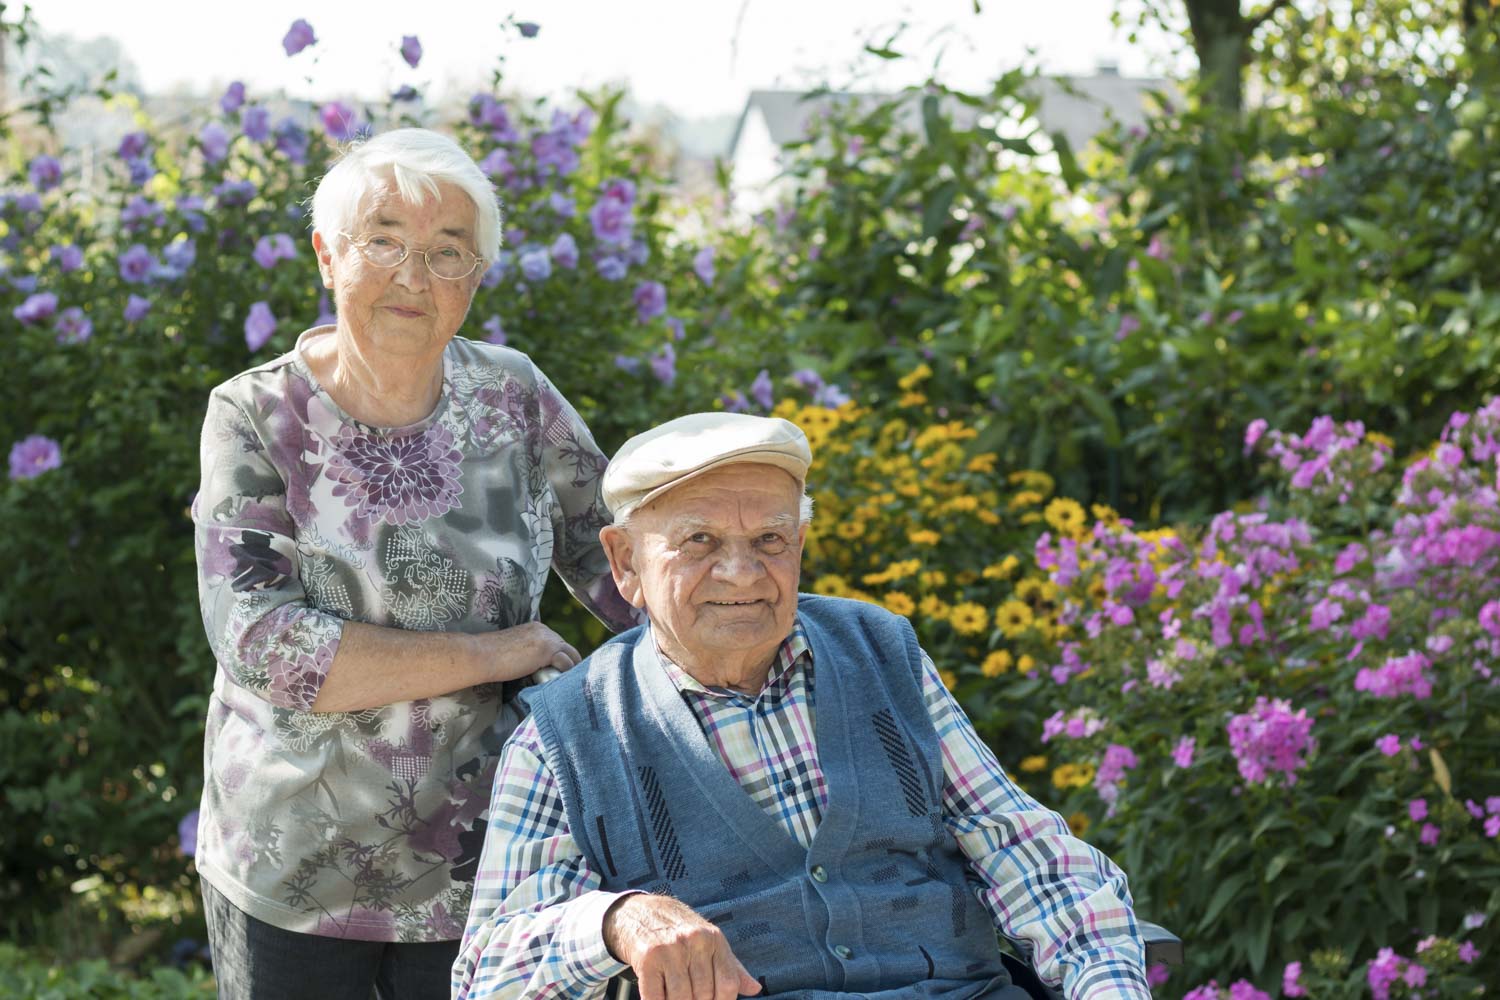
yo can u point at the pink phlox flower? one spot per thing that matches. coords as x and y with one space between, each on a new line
1430 834
1417 810
1400 675
1182 753
1253 434
1352 555
1157 975
1245 990
1374 624
1271 738
1290 976
1160 674
1384 972
1489 618
1389 744
1467 953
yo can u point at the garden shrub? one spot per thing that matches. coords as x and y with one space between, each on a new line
23 974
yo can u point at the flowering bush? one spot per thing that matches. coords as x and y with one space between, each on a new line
131 291
1281 723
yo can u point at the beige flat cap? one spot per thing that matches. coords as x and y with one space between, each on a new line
654 461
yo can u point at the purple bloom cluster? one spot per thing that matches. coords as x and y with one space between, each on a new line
273 248
411 50
1116 761
1079 724
72 326
1271 738
33 455
37 308
260 325
1398 676
612 216
213 139
45 172
1387 969
1328 460
298 37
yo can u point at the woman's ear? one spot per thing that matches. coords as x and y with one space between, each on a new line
324 253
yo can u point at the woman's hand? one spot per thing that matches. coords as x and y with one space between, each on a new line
522 650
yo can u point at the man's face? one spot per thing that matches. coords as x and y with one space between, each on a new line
715 563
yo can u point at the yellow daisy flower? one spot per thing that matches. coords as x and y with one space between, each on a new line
996 663
1073 775
1025 664
1034 763
832 585
969 618
1079 824
933 607
924 536
911 378
1002 569
898 603
949 679
1066 516
1013 618
850 529
912 399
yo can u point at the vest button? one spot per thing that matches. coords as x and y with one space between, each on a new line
843 952
819 873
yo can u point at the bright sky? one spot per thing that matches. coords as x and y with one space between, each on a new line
698 57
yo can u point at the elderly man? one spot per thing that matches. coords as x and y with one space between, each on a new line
767 793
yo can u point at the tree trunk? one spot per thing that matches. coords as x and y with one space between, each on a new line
1220 38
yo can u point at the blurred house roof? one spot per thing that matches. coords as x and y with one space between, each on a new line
1078 107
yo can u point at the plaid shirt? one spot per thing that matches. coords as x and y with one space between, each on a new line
535 925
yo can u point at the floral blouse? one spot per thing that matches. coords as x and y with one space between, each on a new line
369 824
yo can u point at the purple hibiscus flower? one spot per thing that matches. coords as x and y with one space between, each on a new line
187 834
528 29
564 251
72 326
339 121
762 391
234 97
255 123
136 264
610 267
703 265
33 455
298 37
411 50
650 299
535 264
136 309
134 145
259 326
45 172
67 257
664 365
214 141
36 309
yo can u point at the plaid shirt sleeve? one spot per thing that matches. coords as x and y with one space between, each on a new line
1060 899
536 921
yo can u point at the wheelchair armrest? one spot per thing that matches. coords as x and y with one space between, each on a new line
1162 946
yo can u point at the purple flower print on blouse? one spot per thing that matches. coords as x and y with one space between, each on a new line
397 479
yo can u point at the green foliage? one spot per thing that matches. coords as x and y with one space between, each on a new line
23 974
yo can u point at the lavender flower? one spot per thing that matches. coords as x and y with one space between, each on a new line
1129 323
234 97
179 256
36 309
734 402
136 264
831 396
45 172
627 364
406 92
298 37
411 50
136 309
33 455
562 205
496 163
528 29
291 140
675 327
1270 737
72 326
234 193
259 326
1182 753
611 215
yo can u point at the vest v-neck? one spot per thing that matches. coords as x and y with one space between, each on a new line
759 831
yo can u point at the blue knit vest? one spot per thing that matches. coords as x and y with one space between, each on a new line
882 905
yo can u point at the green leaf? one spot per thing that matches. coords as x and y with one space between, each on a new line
1369 234
1072 174
1227 890
936 213
883 53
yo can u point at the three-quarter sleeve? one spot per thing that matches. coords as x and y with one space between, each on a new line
259 624
575 472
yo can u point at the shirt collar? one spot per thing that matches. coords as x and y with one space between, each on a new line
794 650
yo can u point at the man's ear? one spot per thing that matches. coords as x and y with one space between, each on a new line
324 253
620 548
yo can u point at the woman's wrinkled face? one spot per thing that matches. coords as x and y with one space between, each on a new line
405 311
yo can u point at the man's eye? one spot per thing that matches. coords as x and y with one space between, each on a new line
700 538
772 542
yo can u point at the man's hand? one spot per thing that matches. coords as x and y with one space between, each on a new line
676 954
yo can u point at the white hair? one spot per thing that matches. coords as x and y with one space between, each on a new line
417 160
804 512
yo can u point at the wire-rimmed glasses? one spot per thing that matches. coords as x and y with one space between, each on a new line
447 261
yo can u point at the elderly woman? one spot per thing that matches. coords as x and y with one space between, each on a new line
378 512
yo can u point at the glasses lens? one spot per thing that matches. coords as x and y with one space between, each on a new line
386 251
450 261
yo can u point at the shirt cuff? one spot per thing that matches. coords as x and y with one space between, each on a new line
594 958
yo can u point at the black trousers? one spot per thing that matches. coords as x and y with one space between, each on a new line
254 960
